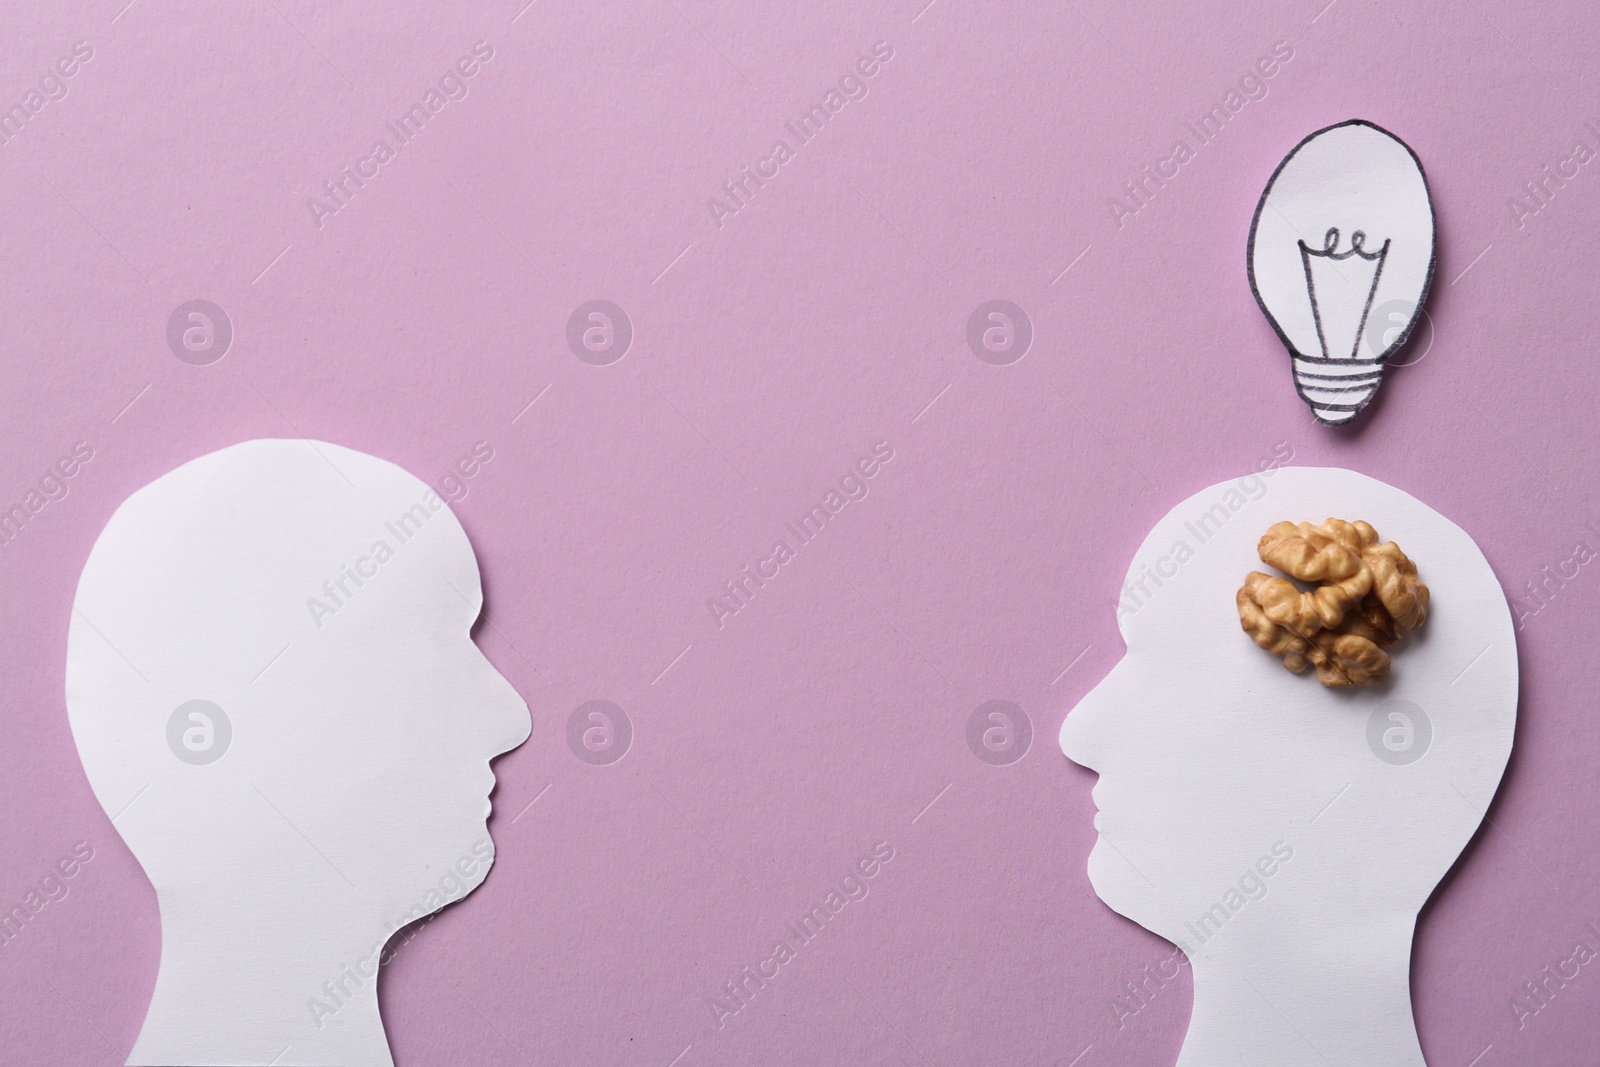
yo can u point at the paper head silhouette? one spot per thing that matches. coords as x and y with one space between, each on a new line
274 692
1286 834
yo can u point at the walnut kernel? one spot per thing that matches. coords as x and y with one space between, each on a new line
1369 597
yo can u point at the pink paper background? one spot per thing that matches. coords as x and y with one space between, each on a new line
768 355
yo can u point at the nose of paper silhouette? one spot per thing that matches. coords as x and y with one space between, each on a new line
502 712
1090 727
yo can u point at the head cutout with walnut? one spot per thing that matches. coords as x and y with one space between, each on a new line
1286 834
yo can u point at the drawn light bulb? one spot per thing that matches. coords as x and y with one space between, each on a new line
1343 239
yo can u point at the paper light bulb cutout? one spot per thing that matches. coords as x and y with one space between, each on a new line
1341 254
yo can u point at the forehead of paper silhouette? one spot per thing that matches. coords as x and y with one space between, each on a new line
1340 259
1182 582
273 529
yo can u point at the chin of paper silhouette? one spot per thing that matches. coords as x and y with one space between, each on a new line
1340 259
274 692
1285 835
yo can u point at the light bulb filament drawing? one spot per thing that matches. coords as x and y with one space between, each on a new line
1341 297
1340 286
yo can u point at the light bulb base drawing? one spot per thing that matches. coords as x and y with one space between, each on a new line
1336 389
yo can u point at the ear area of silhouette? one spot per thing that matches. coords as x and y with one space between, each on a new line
275 694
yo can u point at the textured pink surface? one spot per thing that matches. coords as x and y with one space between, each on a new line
768 355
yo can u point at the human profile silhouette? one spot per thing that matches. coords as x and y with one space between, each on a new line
1285 835
275 694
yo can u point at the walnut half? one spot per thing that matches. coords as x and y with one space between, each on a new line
1368 598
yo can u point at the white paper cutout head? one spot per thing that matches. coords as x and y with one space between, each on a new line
1283 833
1341 256
274 691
